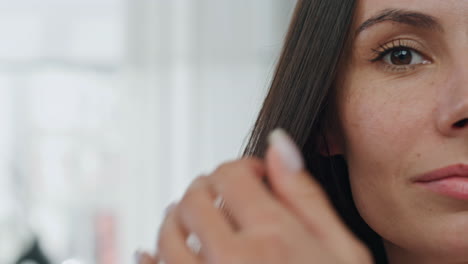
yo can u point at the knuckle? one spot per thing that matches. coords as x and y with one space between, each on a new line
246 164
226 175
186 201
192 196
194 188
251 162
224 167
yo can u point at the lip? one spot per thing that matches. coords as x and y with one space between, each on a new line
450 181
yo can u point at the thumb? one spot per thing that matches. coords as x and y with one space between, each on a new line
298 190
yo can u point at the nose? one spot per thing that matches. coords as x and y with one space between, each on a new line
452 117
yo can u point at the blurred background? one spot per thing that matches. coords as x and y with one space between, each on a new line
109 108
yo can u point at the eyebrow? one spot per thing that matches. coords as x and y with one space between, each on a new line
412 18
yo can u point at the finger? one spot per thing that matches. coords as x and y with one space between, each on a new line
198 215
171 241
155 259
145 258
249 201
303 195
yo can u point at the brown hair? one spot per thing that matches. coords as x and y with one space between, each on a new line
300 100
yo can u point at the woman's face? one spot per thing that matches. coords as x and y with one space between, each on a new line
402 112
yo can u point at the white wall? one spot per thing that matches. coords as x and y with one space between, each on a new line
111 107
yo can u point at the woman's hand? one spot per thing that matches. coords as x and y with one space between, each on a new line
292 223
145 258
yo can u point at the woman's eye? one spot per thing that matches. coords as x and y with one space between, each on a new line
403 56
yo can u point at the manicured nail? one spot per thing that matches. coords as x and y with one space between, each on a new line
287 150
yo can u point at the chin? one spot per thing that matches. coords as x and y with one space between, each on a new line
453 237
445 240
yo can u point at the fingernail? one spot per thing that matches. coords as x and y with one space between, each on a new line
287 150
137 256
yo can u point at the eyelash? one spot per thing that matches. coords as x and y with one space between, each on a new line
390 47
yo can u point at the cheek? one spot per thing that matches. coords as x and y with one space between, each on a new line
374 122
374 119
390 133
372 127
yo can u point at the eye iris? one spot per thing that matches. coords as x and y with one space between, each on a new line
401 57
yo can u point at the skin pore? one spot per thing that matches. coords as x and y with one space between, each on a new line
404 88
